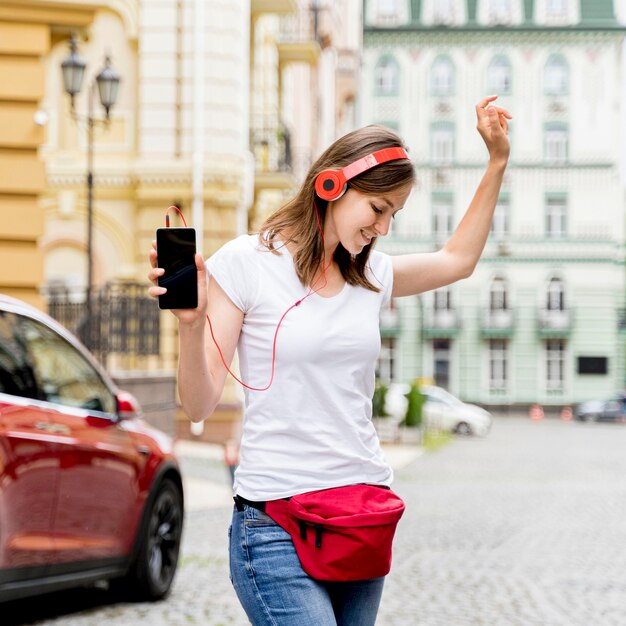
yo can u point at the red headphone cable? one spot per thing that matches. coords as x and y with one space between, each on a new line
293 306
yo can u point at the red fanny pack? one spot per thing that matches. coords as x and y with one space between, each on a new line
341 534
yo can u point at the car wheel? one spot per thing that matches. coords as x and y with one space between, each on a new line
151 576
591 417
463 428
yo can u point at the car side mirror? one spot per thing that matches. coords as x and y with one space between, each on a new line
128 406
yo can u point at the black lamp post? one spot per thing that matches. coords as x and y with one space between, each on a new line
108 82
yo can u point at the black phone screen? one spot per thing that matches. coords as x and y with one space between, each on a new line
176 248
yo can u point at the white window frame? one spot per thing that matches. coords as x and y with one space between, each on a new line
387 12
442 144
498 364
555 364
442 299
556 144
556 9
442 218
444 12
556 76
499 76
501 11
442 77
555 295
500 224
386 75
387 359
556 217
498 295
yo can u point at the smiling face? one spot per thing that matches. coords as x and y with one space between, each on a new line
357 218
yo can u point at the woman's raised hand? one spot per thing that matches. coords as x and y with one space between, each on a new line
185 316
493 127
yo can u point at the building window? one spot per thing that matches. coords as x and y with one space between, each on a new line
442 77
555 297
501 217
593 365
442 143
442 300
556 217
387 359
390 316
387 12
444 12
500 11
387 77
441 362
442 218
498 364
498 300
556 76
556 8
499 76
556 143
555 364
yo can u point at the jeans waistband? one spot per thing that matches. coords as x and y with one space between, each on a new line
239 502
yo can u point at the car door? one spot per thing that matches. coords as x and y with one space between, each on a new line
28 465
611 410
99 463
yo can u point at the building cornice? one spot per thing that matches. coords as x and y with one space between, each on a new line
609 27
533 250
228 173
509 36
68 14
520 165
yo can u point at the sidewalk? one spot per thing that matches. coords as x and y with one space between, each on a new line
201 494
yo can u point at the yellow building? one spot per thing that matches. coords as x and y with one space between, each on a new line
214 114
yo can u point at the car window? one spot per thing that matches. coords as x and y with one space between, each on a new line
433 394
16 371
432 398
64 375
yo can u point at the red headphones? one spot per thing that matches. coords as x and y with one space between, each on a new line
332 184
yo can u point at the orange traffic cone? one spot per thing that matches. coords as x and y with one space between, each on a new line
566 413
536 412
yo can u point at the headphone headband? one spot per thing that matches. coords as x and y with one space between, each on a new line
332 184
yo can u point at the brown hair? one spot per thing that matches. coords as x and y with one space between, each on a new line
298 218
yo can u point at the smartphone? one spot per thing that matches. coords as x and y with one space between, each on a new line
176 248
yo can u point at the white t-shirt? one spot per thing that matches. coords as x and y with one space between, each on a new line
312 429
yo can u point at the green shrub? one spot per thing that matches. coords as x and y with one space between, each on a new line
378 400
415 397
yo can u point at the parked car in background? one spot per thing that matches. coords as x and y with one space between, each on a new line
612 410
444 411
88 490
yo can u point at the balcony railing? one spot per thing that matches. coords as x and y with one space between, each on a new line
300 39
497 323
272 148
441 323
390 322
554 322
124 319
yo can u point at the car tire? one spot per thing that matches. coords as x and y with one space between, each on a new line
463 428
591 417
158 545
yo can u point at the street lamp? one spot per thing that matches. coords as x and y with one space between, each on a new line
107 82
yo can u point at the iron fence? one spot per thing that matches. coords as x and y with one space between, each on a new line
124 319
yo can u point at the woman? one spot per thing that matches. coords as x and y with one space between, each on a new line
300 301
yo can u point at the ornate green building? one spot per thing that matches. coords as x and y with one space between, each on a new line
542 317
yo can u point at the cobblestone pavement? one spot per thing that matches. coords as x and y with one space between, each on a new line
526 527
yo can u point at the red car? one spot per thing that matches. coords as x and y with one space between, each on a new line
88 491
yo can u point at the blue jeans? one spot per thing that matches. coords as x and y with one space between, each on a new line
273 588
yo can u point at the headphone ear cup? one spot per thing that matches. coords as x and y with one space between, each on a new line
330 185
